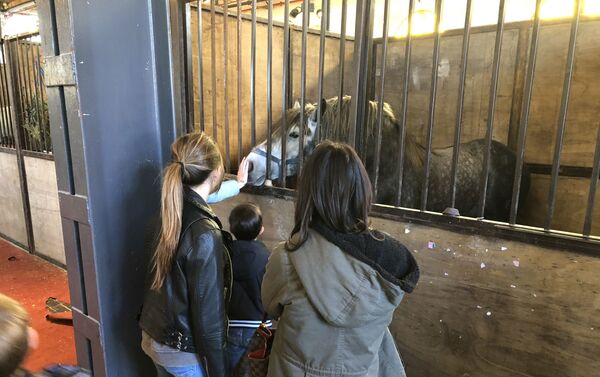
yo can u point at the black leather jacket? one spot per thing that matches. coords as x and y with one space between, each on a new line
189 311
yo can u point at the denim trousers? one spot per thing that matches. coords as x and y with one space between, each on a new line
237 344
194 370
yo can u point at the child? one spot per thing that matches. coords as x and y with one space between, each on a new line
17 338
231 188
249 258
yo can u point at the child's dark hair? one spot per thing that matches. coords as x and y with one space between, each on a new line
245 221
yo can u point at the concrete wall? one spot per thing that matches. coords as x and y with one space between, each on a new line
43 199
483 306
12 222
45 211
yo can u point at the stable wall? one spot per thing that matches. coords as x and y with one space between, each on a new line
484 307
43 200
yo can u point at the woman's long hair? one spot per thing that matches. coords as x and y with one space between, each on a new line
333 188
194 156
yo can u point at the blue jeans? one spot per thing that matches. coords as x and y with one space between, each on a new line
194 370
237 344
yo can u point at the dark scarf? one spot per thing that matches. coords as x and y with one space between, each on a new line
379 250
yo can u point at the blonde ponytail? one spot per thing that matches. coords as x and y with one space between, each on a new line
195 156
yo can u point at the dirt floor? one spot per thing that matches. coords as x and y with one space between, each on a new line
31 280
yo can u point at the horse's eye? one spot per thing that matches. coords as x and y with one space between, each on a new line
294 135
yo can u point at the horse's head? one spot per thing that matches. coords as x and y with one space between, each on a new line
258 156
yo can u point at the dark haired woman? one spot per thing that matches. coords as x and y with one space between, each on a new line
183 320
335 283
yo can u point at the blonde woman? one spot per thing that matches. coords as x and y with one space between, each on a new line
183 320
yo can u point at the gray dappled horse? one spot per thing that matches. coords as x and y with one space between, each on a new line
335 126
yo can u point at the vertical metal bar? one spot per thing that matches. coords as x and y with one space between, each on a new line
239 80
28 91
253 78
386 15
562 120
461 98
269 86
491 108
28 66
213 61
189 70
225 85
525 117
6 134
39 101
404 109
200 66
22 96
5 93
324 16
305 23
284 91
432 100
587 225
15 108
341 64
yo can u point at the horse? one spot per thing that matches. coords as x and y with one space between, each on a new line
335 125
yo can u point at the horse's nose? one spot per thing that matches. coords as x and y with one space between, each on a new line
250 166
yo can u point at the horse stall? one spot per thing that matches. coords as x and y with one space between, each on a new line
508 284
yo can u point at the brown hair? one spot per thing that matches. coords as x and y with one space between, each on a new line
333 188
194 157
14 322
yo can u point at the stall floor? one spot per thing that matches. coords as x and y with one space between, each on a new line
31 280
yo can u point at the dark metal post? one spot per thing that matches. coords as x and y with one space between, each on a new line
253 78
491 108
589 212
269 87
342 63
562 120
324 17
200 65
305 23
525 117
189 80
461 98
284 91
404 108
213 62
432 100
14 109
239 80
225 87
386 16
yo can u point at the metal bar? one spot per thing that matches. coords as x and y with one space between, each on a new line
213 61
200 65
491 108
342 63
239 80
7 136
587 224
518 86
27 84
5 89
253 78
324 16
38 95
269 87
562 120
305 23
461 99
563 171
404 108
15 108
525 117
22 96
189 69
284 91
225 86
386 17
432 100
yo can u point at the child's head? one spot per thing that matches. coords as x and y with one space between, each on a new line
16 337
245 222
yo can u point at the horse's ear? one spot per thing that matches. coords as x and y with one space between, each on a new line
296 105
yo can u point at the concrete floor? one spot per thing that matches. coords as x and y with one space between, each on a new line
31 280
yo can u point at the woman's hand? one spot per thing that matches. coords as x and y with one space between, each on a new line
242 174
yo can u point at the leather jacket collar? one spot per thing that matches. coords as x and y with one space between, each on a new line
194 198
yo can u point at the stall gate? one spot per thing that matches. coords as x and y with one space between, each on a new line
236 74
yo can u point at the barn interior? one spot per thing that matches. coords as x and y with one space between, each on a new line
93 94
